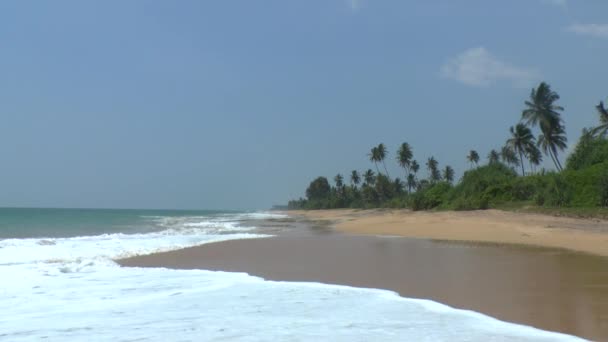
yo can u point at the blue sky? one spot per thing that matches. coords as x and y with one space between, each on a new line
239 104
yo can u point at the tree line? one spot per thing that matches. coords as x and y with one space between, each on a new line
491 184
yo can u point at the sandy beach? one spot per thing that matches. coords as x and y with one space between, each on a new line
482 261
582 235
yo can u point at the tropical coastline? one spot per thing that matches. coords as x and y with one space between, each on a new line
485 268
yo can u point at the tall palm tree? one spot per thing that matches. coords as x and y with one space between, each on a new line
602 129
448 174
369 177
374 157
382 155
355 179
520 142
404 157
432 166
493 157
339 181
411 182
414 167
473 157
398 186
534 156
541 110
508 156
551 141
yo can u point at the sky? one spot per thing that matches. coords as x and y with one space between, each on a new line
240 104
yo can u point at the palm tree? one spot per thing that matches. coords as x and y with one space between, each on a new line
432 166
602 129
404 157
508 156
339 181
355 179
414 167
448 174
411 182
473 157
551 141
369 177
520 142
374 157
541 110
398 186
534 156
382 155
493 157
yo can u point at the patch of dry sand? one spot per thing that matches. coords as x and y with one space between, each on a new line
583 235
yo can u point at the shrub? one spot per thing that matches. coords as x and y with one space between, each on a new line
558 191
482 186
431 196
589 151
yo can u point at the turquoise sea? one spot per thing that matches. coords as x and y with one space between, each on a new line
49 222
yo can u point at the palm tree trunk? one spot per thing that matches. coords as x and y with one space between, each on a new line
553 158
521 160
557 159
377 169
387 175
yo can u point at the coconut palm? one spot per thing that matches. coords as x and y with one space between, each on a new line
398 186
508 156
382 155
432 166
493 157
355 179
473 157
541 110
602 129
534 156
411 182
551 141
339 181
369 177
414 167
404 157
520 142
448 174
374 157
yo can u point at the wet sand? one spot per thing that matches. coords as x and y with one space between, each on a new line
550 289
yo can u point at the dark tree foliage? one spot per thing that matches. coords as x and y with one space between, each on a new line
318 189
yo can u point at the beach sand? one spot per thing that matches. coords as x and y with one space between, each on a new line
583 235
552 289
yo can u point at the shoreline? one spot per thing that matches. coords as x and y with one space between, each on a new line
551 289
488 226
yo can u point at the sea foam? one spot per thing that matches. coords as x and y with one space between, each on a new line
69 289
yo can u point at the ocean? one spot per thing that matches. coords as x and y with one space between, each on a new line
59 283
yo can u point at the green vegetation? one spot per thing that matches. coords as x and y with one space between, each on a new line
578 189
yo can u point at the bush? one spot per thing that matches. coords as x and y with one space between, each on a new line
558 191
586 185
589 151
431 196
603 189
483 186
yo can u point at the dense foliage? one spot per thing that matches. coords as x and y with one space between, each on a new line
582 183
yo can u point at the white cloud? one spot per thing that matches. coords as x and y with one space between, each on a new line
478 67
594 30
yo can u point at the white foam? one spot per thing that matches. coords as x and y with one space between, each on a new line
166 305
69 289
